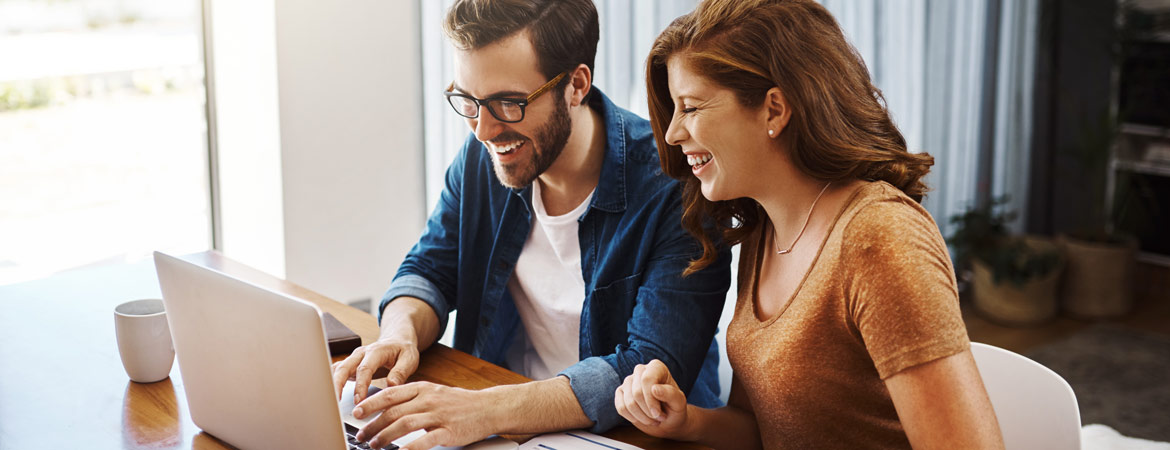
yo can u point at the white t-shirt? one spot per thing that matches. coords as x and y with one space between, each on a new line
549 292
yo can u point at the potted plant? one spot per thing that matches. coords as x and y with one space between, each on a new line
1015 279
1098 280
1101 260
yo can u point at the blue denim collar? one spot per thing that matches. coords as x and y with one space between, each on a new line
611 194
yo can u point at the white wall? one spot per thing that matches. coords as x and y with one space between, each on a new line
321 161
243 72
351 135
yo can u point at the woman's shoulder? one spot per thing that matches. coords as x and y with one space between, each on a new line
881 214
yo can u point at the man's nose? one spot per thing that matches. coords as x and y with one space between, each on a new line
486 126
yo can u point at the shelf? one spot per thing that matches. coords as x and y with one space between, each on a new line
1151 38
1145 130
1144 167
1154 258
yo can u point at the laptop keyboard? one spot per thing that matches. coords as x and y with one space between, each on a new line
354 444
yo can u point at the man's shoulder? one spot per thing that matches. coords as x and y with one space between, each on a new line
634 130
640 145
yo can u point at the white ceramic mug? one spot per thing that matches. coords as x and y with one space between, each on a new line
144 340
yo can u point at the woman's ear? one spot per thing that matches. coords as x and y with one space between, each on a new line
776 111
580 83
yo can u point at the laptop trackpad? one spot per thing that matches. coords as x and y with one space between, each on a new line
347 405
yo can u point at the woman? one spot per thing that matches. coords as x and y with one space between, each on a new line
847 331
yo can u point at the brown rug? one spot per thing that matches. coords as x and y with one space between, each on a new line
1121 377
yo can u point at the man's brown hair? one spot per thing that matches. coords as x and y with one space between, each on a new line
839 129
563 32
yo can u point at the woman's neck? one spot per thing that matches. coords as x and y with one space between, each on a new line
787 198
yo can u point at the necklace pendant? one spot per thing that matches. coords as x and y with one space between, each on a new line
803 227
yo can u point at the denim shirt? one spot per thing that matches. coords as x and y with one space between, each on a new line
637 308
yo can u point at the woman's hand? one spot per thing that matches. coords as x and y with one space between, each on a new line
652 401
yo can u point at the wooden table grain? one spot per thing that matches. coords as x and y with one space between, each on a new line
62 382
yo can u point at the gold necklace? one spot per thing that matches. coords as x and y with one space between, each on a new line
806 218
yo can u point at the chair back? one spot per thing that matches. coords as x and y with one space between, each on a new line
1035 407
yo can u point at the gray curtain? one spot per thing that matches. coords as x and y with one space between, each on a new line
628 29
1016 74
956 76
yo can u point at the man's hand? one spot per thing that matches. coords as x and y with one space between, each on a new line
406 322
652 401
451 416
398 355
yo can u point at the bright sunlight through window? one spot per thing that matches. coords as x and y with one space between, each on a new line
103 133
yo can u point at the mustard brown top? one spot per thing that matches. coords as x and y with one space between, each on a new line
880 297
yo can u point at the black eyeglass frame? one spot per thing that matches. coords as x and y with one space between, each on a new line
487 102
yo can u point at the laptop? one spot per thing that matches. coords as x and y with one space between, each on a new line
255 363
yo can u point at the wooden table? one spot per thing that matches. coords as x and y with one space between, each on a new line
62 382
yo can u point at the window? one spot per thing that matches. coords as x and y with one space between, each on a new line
103 133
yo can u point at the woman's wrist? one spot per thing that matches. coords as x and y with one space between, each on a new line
693 428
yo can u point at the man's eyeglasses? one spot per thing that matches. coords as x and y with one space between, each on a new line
504 109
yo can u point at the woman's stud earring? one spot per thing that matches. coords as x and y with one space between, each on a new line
770 132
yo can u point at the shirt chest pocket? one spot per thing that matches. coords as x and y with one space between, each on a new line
608 312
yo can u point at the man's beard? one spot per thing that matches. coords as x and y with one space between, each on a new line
549 143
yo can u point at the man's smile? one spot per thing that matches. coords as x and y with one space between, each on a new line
504 148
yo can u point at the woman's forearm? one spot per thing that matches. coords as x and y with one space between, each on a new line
726 428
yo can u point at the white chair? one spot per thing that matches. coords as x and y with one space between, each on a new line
1036 408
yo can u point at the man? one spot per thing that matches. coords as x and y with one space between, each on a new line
556 237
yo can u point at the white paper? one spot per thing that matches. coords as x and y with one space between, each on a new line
575 440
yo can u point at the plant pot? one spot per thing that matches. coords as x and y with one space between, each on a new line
1098 281
1006 303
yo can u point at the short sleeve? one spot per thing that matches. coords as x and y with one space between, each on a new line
901 290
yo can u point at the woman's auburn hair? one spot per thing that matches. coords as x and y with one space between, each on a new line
839 128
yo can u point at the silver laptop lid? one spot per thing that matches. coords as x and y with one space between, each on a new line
254 362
